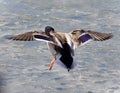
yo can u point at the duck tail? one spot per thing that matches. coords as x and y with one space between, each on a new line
59 62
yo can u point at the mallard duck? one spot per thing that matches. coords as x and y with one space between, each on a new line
62 45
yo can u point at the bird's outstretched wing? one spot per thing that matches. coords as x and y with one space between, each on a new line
27 36
81 37
32 36
97 36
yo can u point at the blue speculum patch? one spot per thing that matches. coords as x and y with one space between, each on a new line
85 38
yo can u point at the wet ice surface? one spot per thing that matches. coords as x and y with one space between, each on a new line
24 65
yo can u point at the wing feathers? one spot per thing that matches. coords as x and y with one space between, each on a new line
100 36
84 37
28 36
81 37
42 37
32 36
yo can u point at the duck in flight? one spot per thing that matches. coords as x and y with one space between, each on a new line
62 45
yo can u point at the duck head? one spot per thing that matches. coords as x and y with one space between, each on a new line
48 29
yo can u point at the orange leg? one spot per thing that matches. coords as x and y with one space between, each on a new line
52 62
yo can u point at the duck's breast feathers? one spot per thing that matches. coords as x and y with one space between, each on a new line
81 37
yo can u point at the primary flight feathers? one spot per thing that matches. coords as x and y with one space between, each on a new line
30 36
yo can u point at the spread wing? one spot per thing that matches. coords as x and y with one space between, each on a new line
81 37
28 36
32 36
97 36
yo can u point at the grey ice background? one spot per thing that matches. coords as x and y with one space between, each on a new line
24 65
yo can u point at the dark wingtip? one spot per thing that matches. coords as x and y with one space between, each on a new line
110 36
8 36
